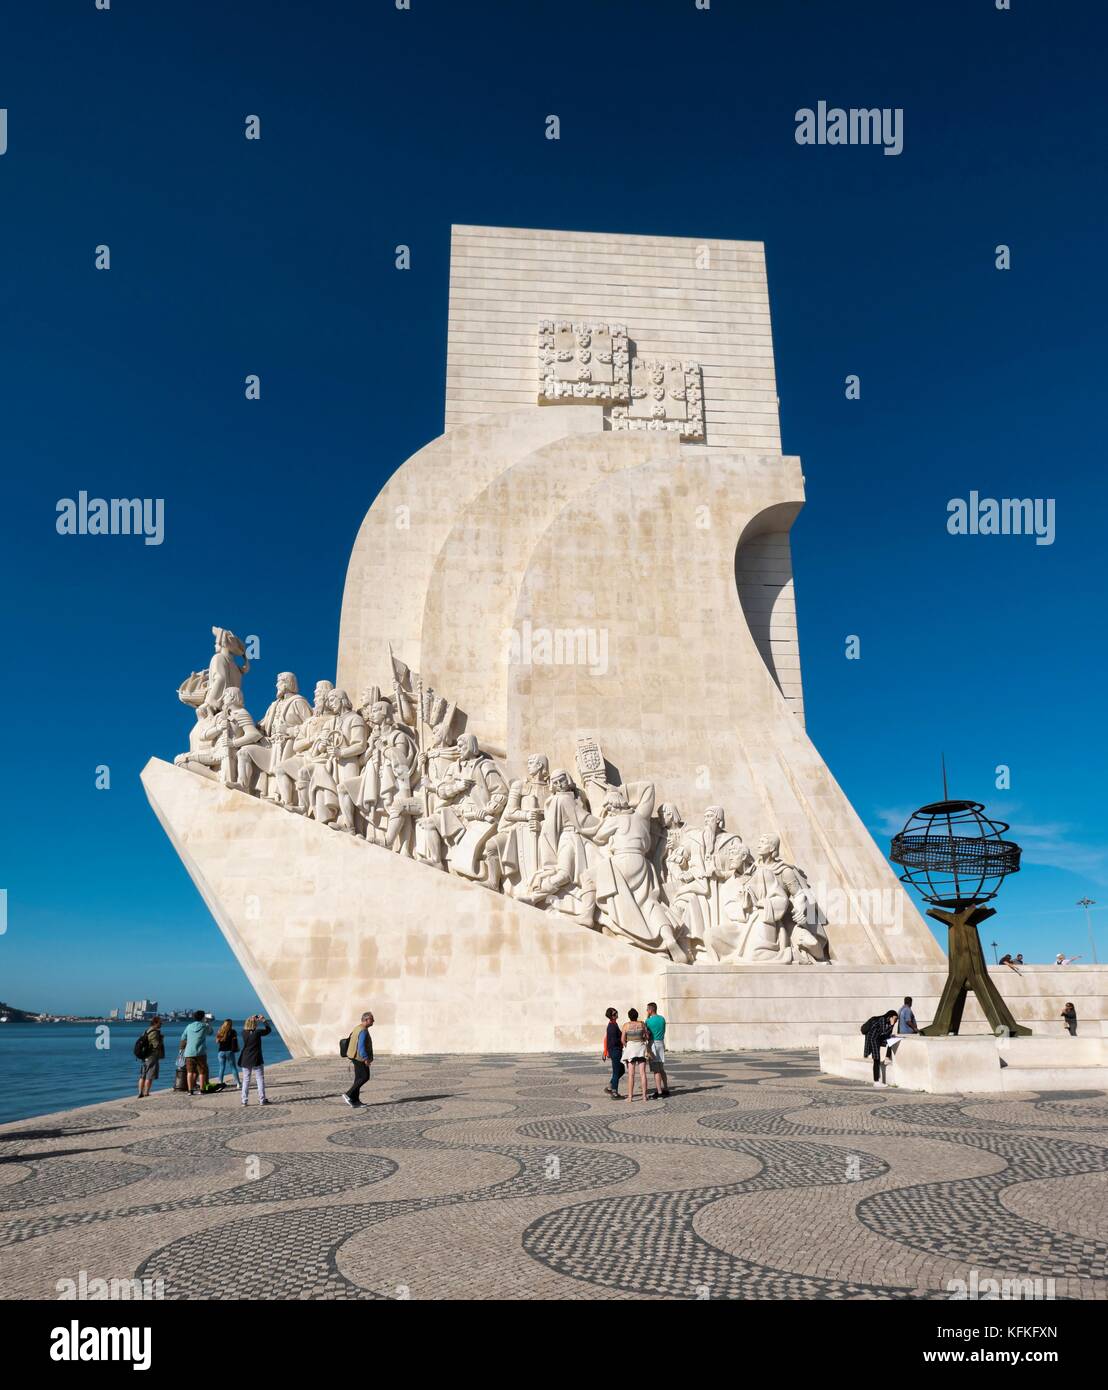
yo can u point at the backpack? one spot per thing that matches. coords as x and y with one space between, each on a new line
869 1023
344 1043
143 1048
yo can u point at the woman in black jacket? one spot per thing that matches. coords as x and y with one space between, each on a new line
613 1051
878 1031
250 1058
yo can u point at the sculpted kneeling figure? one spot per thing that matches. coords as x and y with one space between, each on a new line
786 926
231 729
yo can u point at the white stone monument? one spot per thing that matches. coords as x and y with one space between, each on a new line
563 763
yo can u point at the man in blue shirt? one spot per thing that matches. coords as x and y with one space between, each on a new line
359 1050
906 1019
656 1027
194 1044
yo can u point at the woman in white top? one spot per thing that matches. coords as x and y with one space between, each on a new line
636 1047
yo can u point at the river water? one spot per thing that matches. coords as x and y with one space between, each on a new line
56 1066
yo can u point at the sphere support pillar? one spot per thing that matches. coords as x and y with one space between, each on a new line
966 970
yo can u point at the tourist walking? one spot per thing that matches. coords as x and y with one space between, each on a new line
254 1030
359 1050
227 1040
150 1049
906 1019
656 1027
1069 1018
194 1041
613 1051
878 1031
636 1041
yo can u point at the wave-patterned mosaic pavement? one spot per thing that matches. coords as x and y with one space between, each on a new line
496 1178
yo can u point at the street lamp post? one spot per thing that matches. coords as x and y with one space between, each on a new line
996 958
1086 903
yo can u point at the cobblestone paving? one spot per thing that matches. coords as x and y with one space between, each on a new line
520 1179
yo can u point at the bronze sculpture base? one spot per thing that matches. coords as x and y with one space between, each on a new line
966 970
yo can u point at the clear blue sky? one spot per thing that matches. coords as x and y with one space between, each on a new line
380 127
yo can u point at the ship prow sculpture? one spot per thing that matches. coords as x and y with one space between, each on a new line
562 761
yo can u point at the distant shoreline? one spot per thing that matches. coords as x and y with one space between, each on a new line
120 1022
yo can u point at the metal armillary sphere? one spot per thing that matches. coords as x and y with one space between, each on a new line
954 855
956 858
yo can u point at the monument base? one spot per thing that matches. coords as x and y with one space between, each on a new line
962 1065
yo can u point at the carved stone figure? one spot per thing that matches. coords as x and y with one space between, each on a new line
348 757
224 672
673 827
200 745
207 687
807 937
442 744
563 809
727 937
300 765
232 728
337 749
669 836
521 825
567 885
261 761
626 888
466 773
384 793
688 892
705 844
474 853
782 907
473 774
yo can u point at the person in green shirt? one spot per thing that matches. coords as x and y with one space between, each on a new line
656 1026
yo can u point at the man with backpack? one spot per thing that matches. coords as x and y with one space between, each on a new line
359 1050
149 1049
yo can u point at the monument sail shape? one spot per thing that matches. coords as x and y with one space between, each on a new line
563 758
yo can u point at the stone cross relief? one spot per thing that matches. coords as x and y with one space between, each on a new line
593 363
397 772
